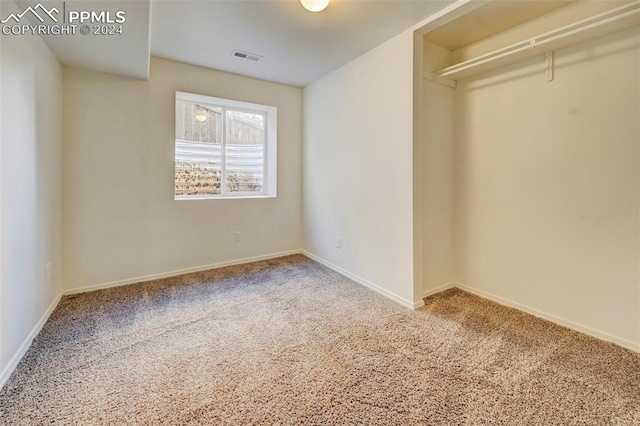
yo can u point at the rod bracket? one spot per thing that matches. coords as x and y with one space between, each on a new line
549 65
438 79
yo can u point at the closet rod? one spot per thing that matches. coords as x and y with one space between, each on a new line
545 38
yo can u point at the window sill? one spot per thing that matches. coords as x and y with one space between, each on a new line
228 197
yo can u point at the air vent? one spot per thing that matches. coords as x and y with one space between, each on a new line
246 55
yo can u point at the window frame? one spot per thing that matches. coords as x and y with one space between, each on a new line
270 145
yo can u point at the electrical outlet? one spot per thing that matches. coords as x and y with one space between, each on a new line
339 242
236 236
47 273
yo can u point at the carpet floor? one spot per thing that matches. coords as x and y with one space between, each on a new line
288 341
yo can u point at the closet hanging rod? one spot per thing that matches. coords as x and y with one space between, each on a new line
595 21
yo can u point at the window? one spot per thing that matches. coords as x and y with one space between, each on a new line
224 148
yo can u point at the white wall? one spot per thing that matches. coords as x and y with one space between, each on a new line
547 186
437 163
30 177
358 167
120 218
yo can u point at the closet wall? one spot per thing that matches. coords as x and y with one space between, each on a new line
544 183
437 173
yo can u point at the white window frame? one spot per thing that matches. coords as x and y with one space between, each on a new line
270 146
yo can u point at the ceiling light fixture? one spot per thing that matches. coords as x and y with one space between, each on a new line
201 116
315 5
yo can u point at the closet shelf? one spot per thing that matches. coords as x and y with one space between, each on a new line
594 26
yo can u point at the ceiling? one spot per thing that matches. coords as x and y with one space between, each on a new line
125 54
297 46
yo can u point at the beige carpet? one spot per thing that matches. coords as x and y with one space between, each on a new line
289 341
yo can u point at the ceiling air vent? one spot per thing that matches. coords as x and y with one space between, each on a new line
246 55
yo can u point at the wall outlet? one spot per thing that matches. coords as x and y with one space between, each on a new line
47 273
236 236
339 242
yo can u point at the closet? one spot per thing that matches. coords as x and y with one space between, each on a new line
531 160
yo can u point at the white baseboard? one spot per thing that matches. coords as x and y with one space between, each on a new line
553 318
17 357
438 289
368 284
8 370
15 360
179 272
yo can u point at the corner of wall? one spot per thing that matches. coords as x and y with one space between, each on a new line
30 213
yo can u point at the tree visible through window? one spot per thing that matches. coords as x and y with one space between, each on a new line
224 148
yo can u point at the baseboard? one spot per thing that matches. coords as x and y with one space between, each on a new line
553 318
8 370
363 282
17 357
438 289
179 272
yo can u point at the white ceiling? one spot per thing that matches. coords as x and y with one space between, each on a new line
297 46
126 54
